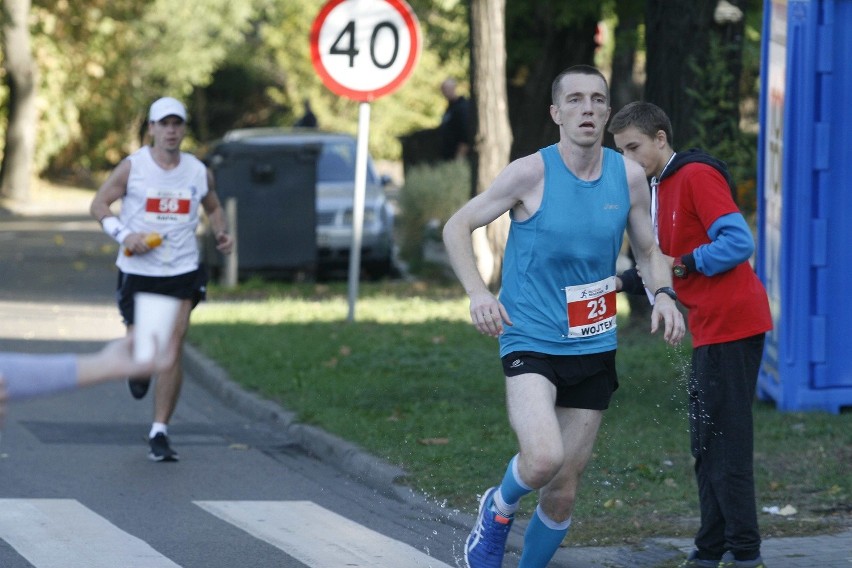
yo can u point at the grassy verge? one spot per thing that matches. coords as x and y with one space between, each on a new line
412 382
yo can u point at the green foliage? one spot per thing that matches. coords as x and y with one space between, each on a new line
182 43
72 46
432 193
750 77
102 63
445 23
235 62
717 129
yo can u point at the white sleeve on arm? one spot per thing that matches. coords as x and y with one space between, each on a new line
28 375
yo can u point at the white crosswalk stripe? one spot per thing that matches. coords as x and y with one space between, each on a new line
63 533
318 537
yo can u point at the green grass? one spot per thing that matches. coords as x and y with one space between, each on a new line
412 382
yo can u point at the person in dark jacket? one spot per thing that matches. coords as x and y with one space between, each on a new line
455 124
308 119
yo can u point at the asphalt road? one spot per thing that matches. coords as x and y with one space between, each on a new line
77 489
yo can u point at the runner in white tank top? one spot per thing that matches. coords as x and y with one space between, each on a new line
160 189
165 201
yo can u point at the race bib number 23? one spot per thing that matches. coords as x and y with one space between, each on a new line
591 308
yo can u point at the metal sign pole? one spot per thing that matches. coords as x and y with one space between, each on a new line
358 205
389 33
231 274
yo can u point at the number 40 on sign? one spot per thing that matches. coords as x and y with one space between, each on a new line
364 49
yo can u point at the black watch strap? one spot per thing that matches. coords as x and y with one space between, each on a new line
668 291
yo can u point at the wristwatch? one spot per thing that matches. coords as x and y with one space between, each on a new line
668 291
679 269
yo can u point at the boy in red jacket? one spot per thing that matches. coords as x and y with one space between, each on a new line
708 242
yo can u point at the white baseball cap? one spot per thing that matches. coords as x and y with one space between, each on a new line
166 106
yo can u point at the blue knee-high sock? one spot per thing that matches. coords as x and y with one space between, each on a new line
541 539
511 489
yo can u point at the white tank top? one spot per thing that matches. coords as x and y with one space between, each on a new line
166 202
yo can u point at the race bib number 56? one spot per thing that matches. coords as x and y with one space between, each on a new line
168 205
591 308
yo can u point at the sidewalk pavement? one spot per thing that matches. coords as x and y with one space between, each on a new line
824 551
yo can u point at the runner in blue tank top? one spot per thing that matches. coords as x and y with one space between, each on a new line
570 204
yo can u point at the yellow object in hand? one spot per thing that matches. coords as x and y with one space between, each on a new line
153 240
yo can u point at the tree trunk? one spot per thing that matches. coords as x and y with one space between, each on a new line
493 140
21 75
557 48
623 84
677 32
624 89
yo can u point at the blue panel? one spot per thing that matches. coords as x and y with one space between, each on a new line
822 131
817 337
818 238
803 234
838 377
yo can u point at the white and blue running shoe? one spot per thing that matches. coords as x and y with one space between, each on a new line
486 544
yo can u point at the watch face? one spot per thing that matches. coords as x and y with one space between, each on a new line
679 270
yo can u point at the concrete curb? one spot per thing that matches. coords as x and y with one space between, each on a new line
342 454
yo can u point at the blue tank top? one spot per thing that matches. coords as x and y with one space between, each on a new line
571 242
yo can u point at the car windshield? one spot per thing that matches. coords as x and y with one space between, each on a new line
337 163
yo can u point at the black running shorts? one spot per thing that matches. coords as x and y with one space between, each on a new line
581 381
187 286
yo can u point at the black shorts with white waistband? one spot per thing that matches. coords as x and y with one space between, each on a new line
581 381
187 286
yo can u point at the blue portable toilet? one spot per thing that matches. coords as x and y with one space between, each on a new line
805 203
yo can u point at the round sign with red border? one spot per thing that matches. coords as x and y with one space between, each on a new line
365 49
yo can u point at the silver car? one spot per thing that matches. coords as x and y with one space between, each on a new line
335 188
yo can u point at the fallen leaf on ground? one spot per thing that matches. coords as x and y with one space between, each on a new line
434 441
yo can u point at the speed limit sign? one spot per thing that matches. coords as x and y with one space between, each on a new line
364 49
